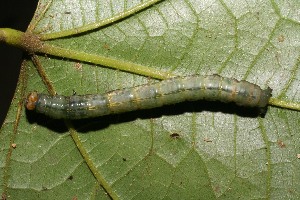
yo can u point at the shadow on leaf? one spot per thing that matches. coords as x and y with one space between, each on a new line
98 123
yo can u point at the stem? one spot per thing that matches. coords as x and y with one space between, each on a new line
11 36
32 44
284 104
106 61
102 23
89 161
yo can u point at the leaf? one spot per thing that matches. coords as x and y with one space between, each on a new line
220 151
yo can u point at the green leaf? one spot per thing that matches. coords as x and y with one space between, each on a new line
221 152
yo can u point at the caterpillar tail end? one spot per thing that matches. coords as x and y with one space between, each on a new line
265 97
31 100
264 100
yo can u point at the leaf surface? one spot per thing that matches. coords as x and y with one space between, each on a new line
222 151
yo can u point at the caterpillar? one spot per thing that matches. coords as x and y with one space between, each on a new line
166 92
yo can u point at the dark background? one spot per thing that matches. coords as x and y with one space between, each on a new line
14 14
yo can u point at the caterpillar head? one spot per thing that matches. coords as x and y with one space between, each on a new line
31 100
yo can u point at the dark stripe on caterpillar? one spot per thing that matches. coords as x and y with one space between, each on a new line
166 92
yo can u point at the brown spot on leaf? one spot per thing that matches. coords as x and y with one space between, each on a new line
78 66
207 140
281 144
3 196
281 38
217 188
106 46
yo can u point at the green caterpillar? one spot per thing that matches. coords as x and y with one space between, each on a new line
166 92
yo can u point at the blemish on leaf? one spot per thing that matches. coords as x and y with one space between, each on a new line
106 46
207 140
70 177
3 196
281 144
14 145
78 66
257 15
175 135
75 198
281 38
217 188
